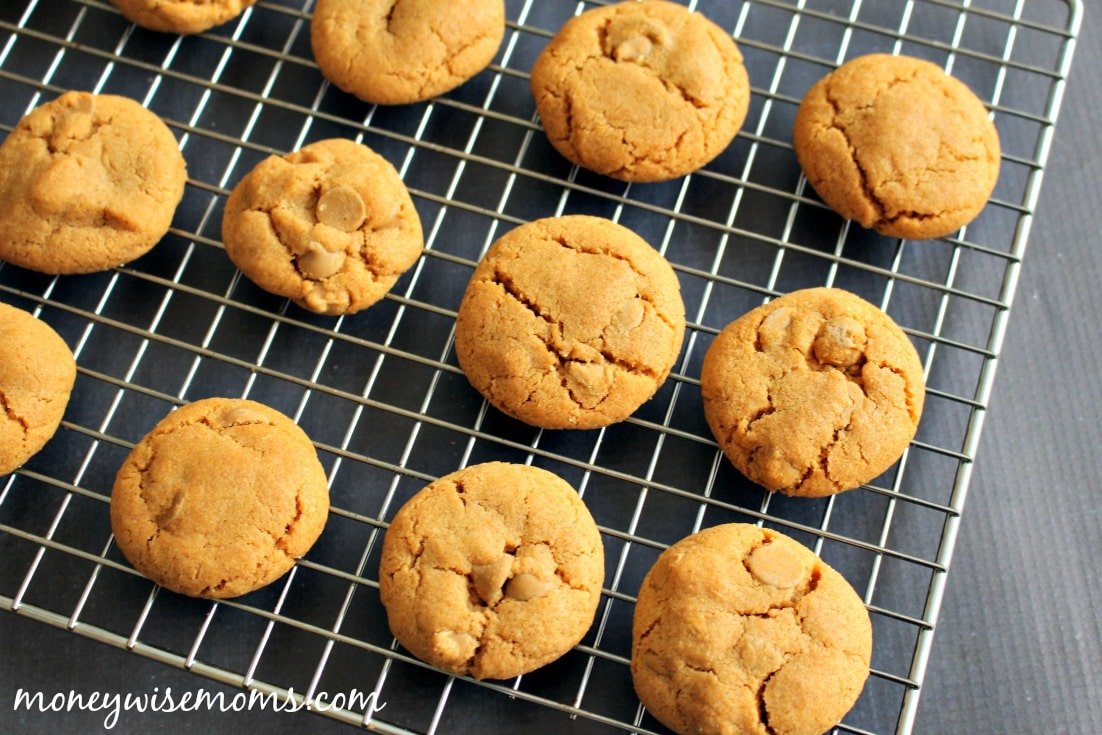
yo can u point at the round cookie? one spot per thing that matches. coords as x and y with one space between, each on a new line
897 145
570 323
181 16
331 226
641 91
742 631
492 571
813 393
394 52
87 182
219 499
37 372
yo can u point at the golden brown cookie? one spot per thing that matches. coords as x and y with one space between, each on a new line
394 52
898 145
641 91
331 226
570 323
87 182
813 393
492 571
181 16
37 372
740 630
219 499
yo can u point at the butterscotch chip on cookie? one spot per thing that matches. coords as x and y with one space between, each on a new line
813 393
37 372
898 145
87 182
331 226
492 571
394 52
641 91
570 323
181 16
219 499
742 631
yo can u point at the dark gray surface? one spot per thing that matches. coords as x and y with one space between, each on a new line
1017 647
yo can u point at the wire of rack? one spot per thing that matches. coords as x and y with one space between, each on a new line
381 393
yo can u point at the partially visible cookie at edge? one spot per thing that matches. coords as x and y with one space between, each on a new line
87 182
492 571
897 145
814 393
219 499
331 226
394 52
570 323
181 16
740 630
641 91
37 372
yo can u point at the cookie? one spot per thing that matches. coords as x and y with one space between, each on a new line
331 227
492 571
897 145
37 372
87 182
570 323
641 91
181 16
219 499
813 393
394 52
740 630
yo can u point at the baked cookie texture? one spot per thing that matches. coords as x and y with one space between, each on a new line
570 323
219 499
813 393
331 226
37 372
742 631
87 182
898 145
641 91
181 16
394 52
492 571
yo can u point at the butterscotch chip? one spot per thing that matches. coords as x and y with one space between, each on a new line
492 571
219 499
720 647
87 182
394 52
330 226
813 393
898 145
641 91
570 322
181 16
37 372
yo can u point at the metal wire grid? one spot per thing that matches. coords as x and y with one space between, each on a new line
389 409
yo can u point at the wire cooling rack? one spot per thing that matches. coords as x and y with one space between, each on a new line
381 393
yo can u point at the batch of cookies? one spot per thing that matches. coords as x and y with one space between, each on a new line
569 322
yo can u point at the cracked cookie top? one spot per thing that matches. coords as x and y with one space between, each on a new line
641 91
394 52
219 499
181 16
331 226
570 323
898 145
492 571
813 393
37 372
87 182
741 630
